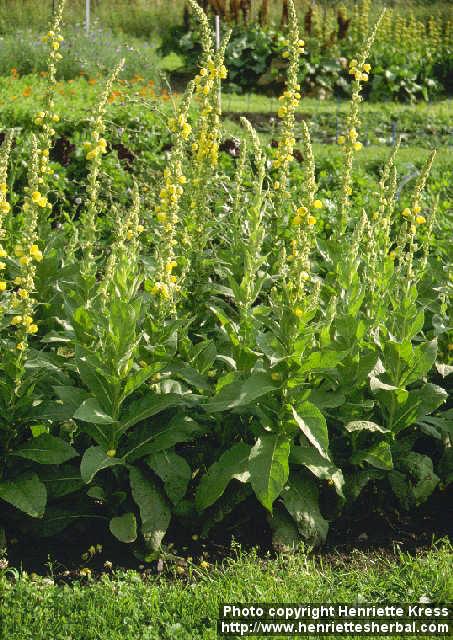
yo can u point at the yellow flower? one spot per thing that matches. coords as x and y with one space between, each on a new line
417 209
2 266
357 146
3 253
204 564
182 179
317 204
298 312
91 154
18 280
366 67
353 134
170 266
186 130
2 285
129 235
35 196
140 228
277 185
36 253
353 63
297 220
341 140
5 207
22 293
285 54
161 216
111 453
21 346
406 212
364 77
420 220
311 220
33 328
16 320
24 260
55 46
3 187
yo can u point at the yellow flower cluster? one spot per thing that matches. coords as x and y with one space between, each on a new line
54 40
170 193
352 138
34 253
360 72
161 289
211 72
27 321
5 206
180 125
39 199
303 213
96 148
414 215
299 47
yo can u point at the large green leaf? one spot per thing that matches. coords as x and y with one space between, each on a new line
174 472
285 534
301 500
420 402
27 493
154 512
268 467
61 480
318 465
71 397
424 358
94 459
313 425
148 439
242 393
233 463
124 527
378 455
91 411
149 405
46 449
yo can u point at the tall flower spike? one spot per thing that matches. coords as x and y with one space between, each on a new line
46 119
359 69
95 149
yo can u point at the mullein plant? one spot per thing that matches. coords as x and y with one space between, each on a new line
360 70
46 119
5 209
95 148
205 141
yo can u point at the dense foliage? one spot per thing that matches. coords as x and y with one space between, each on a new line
421 69
226 337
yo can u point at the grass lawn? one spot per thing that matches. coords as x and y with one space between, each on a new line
183 603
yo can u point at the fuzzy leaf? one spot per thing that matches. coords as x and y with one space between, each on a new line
233 463
27 493
124 528
154 512
268 467
46 449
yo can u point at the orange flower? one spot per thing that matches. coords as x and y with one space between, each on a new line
26 92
